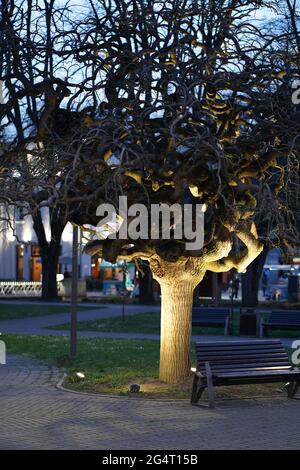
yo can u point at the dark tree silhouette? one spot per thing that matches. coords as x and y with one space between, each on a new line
284 29
35 83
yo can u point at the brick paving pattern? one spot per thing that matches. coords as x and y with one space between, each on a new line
36 415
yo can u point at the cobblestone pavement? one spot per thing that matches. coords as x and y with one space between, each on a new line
36 415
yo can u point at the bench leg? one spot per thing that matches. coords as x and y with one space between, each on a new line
292 388
226 327
197 390
296 388
210 386
261 328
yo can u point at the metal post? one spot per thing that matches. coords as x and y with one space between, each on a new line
73 338
80 255
123 307
124 269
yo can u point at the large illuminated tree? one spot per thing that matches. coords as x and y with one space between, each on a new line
179 102
193 106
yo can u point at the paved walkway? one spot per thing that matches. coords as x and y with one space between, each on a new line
36 415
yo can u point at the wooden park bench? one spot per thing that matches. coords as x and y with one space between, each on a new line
210 316
280 320
242 362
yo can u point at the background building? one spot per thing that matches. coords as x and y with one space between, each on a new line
20 253
20 258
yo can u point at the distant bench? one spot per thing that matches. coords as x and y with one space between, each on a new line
210 316
280 320
242 362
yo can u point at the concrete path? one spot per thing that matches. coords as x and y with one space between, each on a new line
35 415
34 325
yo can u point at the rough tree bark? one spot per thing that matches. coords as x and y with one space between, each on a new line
177 282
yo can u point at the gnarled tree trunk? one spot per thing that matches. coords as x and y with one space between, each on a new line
177 281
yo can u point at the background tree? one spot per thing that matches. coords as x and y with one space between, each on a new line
283 28
34 74
146 294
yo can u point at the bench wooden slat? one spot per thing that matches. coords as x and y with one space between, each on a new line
262 348
234 357
250 367
263 342
252 363
297 312
249 363
284 315
245 358
260 373
210 316
207 322
212 309
240 350
244 352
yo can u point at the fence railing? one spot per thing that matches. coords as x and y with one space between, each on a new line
21 289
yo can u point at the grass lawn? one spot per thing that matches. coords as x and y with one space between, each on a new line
140 323
111 365
9 312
